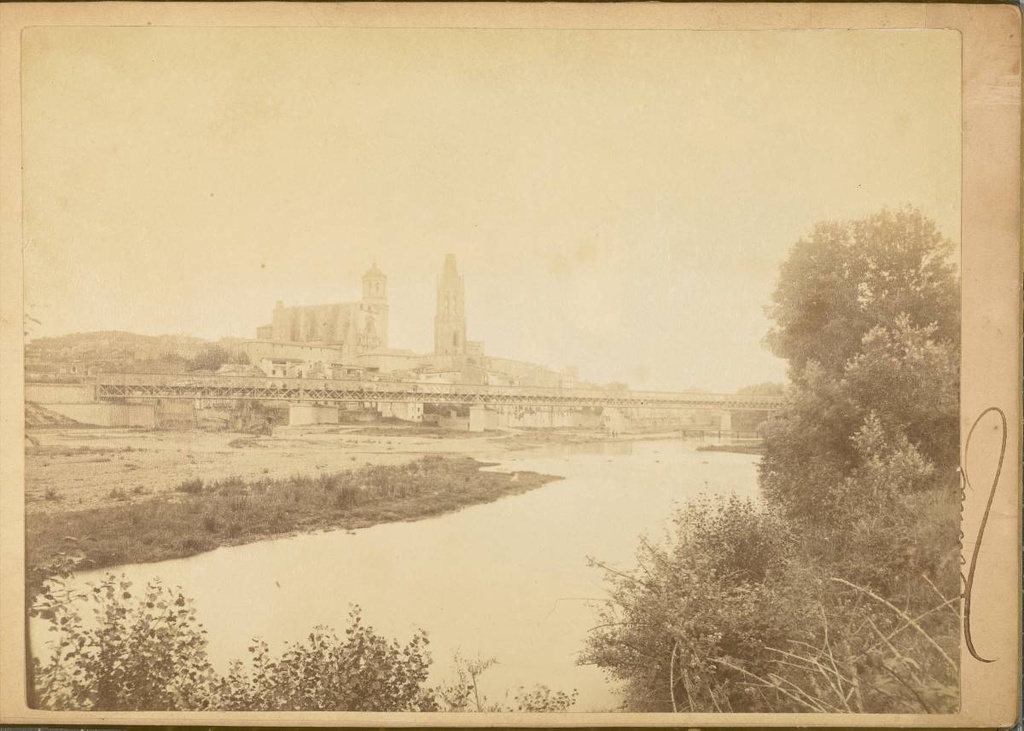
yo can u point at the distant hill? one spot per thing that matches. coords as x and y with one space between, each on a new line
112 350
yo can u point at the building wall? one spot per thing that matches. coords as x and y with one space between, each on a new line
389 361
260 350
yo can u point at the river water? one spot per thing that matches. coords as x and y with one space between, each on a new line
508 580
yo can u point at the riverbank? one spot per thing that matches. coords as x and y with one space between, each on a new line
80 468
202 515
73 469
733 448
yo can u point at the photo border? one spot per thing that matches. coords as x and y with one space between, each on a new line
991 292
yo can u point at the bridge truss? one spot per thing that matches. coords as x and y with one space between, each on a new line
328 391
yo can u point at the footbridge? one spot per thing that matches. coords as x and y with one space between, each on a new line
111 387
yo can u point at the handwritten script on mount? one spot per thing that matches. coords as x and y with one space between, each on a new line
969 579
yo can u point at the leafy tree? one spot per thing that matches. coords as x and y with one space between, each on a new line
118 650
735 614
904 382
894 521
849 277
910 379
839 593
763 389
210 358
360 672
867 313
674 629
143 652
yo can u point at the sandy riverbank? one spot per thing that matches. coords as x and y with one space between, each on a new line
71 469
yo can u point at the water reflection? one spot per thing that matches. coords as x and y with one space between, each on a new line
508 579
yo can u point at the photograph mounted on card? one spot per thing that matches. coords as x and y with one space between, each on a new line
559 364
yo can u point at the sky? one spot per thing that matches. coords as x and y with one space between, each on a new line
618 201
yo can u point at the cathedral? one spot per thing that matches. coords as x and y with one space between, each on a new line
352 328
356 333
350 340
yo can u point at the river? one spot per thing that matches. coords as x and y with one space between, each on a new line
508 580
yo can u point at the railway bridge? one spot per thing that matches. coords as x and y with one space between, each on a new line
116 387
312 400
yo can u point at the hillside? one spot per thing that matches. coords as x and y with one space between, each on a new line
78 354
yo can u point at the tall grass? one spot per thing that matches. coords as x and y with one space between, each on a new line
199 516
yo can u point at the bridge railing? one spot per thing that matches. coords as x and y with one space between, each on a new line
373 390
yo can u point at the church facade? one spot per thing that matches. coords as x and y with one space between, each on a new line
350 339
350 328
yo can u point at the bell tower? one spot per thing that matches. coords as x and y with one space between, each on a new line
375 304
450 318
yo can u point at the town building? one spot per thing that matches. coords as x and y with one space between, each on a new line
349 328
350 340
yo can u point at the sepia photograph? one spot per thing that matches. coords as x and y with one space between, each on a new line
500 370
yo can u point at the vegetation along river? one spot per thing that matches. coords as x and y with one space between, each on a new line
508 579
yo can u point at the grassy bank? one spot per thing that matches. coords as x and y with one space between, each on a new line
201 516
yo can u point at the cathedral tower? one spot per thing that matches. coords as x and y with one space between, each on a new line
375 304
450 319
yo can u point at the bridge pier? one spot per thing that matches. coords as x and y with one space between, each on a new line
482 418
614 422
309 414
726 421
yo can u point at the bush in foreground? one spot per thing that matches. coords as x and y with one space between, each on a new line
146 651
732 616
134 652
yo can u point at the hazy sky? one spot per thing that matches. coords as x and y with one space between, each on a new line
617 200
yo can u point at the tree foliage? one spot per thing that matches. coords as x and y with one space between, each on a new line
839 593
903 384
361 671
213 355
849 277
144 652
731 615
867 314
695 606
114 649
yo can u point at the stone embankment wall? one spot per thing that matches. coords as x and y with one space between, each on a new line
78 403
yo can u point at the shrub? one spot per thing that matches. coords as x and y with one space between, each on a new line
361 671
541 699
733 615
464 694
720 590
192 487
137 653
147 651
